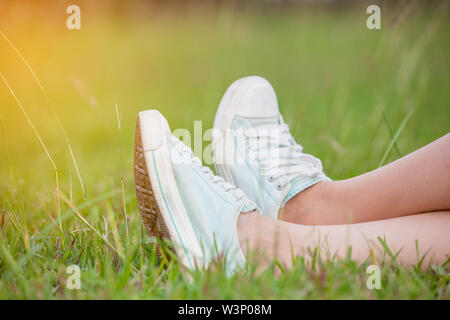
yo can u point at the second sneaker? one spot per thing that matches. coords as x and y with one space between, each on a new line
254 150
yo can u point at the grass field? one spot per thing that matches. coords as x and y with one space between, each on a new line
345 90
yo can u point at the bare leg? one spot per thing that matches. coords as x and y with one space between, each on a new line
418 182
281 240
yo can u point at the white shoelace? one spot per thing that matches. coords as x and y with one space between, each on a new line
280 157
180 146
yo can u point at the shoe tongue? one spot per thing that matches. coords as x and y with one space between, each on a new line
276 120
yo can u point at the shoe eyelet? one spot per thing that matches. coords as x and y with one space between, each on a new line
270 179
279 187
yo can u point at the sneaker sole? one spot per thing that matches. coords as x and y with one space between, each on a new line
159 201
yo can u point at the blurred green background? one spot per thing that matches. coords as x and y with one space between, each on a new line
343 89
331 74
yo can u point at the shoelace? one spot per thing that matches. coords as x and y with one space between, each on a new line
237 193
280 156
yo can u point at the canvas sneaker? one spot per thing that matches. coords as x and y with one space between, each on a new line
254 150
183 201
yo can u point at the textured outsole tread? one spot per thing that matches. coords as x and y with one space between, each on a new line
151 216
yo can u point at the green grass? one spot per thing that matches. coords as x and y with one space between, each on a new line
353 97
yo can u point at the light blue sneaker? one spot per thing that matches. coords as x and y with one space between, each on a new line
254 150
180 199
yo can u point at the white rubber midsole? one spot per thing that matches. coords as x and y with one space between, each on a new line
154 129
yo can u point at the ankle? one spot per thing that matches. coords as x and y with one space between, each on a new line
307 205
245 229
262 239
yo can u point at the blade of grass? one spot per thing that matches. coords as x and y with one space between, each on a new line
388 250
9 260
388 123
395 138
420 260
115 233
121 175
